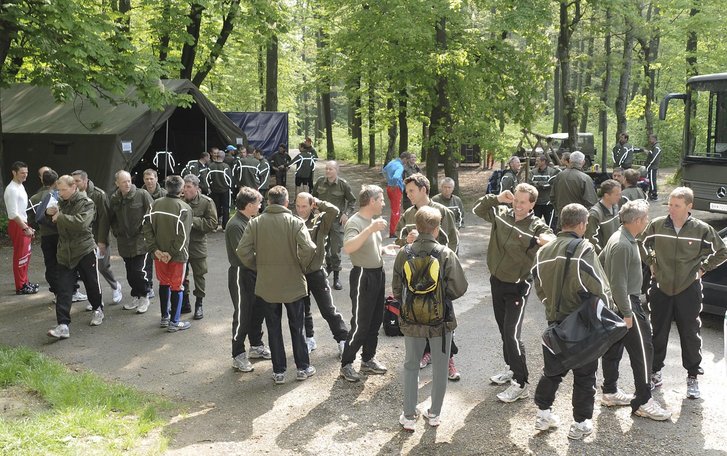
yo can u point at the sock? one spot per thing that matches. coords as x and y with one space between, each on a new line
164 300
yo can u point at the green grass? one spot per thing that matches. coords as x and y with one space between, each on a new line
82 413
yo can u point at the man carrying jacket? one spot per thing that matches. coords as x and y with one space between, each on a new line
516 236
73 218
277 245
679 250
204 221
559 293
167 229
319 225
127 208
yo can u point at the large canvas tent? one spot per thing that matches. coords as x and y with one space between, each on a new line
77 134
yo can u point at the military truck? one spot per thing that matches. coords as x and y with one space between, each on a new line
554 146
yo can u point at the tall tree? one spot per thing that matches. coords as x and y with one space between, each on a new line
605 84
403 124
567 25
189 49
622 98
271 74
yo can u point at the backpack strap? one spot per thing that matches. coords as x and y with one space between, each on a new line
569 252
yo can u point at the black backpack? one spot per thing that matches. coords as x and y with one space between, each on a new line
392 309
493 185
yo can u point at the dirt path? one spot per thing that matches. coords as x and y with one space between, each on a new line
233 413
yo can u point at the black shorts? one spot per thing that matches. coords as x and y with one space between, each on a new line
304 181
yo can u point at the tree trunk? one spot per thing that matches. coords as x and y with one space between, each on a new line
588 76
392 132
227 26
649 44
271 75
403 125
692 47
325 90
358 121
164 39
425 141
557 100
319 117
606 83
261 76
624 78
189 50
441 119
570 121
372 125
123 7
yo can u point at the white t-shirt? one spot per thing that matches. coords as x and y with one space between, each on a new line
16 201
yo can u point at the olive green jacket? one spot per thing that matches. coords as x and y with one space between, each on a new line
454 280
319 225
338 193
448 234
622 264
277 245
602 223
572 186
204 220
513 245
677 257
167 227
585 274
126 215
75 239
101 221
157 193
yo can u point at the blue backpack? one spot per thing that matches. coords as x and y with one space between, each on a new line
493 185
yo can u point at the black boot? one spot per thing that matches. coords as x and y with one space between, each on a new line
336 281
198 313
186 306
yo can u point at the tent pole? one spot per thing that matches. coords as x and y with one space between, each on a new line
206 145
166 148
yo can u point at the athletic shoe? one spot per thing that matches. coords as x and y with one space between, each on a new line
502 378
546 419
164 322
133 304
453 373
178 326
259 351
616 399
60 332
311 343
349 373
303 374
89 307
241 363
656 380
279 379
409 424
434 420
35 286
116 294
373 366
341 347
97 317
653 410
143 305
151 294
426 360
26 290
580 430
514 392
78 296
693 388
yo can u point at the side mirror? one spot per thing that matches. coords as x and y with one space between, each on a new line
665 103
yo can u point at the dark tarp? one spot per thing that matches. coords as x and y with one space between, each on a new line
264 130
76 134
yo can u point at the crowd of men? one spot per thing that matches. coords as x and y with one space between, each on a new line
552 233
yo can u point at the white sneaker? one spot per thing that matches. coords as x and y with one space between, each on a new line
409 424
60 332
116 294
78 296
580 430
434 420
546 419
514 392
143 305
133 304
653 410
616 399
89 307
97 317
241 363
502 378
311 343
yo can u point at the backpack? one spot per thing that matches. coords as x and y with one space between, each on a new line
391 317
424 294
493 185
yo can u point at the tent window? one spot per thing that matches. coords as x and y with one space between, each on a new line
61 148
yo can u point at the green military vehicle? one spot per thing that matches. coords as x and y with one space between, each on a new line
554 146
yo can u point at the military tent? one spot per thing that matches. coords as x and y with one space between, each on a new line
105 138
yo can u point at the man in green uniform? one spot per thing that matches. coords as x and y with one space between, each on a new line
603 216
336 191
573 186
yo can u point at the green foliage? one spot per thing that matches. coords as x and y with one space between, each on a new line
82 412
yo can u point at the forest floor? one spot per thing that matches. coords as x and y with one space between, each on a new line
226 412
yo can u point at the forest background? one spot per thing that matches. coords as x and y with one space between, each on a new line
368 79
